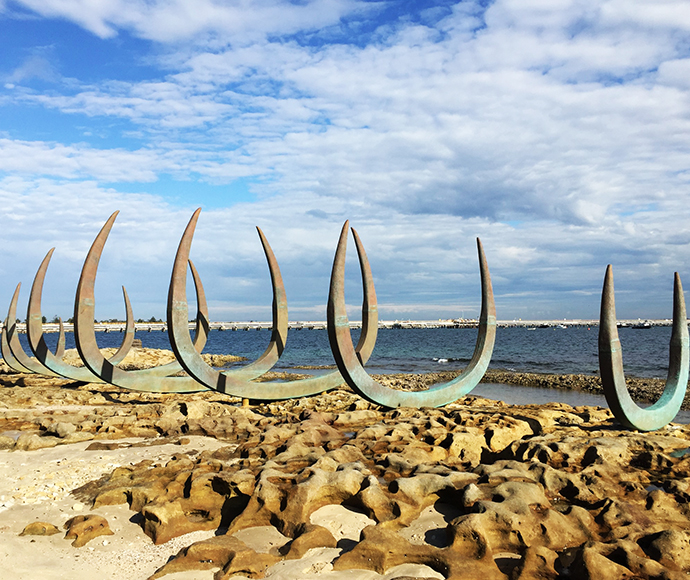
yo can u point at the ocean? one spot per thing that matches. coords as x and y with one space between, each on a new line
420 350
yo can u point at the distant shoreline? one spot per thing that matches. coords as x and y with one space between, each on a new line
396 324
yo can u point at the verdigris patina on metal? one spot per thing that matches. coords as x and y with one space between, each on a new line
351 367
9 328
54 362
624 409
178 312
241 381
12 349
237 382
157 379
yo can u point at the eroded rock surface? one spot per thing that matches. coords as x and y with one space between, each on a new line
83 529
39 529
477 489
560 490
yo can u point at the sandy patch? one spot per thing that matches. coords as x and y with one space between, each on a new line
36 485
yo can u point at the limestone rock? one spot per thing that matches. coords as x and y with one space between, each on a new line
381 549
520 492
39 529
227 553
83 529
308 536
64 429
31 442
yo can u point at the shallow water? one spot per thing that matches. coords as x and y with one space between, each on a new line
519 395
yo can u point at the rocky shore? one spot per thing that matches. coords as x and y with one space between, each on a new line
105 482
641 390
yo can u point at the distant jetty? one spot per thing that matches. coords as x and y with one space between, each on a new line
398 324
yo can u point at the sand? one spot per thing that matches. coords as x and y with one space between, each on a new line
474 447
35 487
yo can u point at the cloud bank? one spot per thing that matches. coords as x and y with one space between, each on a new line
555 131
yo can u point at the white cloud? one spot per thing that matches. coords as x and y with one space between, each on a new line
81 161
177 20
669 15
557 131
74 161
36 66
425 259
415 124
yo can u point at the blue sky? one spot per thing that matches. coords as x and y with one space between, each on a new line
557 131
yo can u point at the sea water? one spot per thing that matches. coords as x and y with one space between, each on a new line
422 350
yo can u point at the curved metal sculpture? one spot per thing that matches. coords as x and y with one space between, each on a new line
7 355
34 332
151 380
353 371
624 409
13 351
179 332
236 382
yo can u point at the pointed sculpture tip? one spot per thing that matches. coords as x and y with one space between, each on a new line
358 241
678 295
608 279
343 232
607 316
480 252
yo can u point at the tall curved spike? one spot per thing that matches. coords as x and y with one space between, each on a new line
236 383
15 347
8 329
202 328
370 318
280 318
34 331
624 409
128 338
10 360
362 383
85 335
61 343
279 328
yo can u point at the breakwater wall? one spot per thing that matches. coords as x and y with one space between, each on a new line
399 324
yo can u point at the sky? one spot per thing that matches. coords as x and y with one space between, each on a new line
556 131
